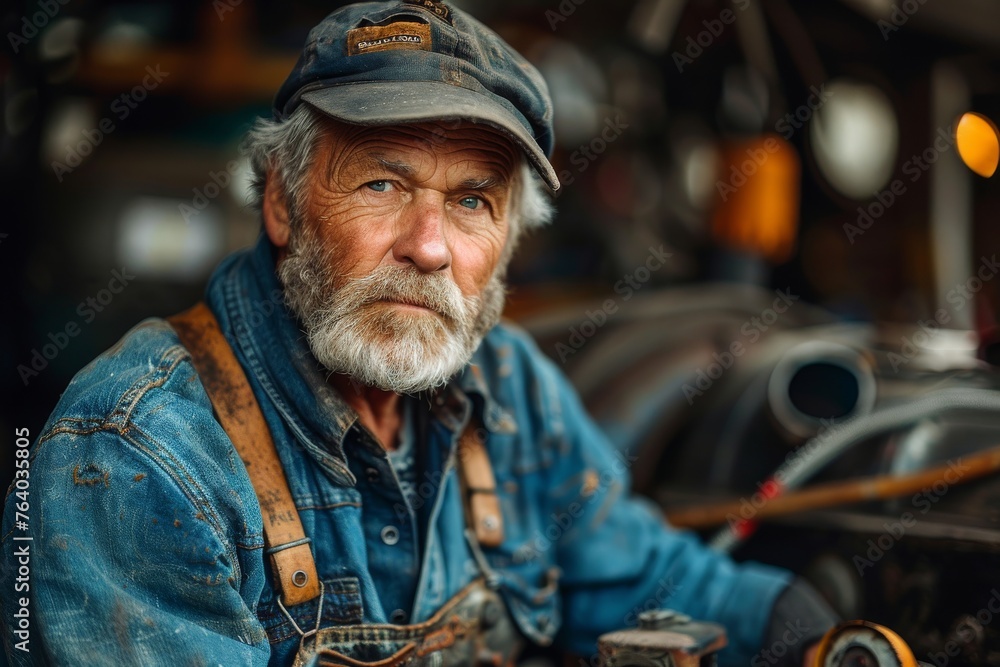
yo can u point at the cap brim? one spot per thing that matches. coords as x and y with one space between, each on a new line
388 102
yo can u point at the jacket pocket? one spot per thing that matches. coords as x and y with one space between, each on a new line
341 606
531 592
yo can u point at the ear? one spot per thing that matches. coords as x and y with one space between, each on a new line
275 210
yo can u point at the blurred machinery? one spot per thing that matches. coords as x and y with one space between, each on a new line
863 644
862 455
721 396
665 638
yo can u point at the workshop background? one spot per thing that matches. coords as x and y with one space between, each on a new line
768 252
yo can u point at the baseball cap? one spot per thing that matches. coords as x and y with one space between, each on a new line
406 61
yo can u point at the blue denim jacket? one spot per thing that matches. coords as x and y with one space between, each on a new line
147 535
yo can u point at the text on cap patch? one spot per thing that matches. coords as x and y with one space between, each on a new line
399 35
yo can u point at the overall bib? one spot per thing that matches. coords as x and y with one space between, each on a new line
472 628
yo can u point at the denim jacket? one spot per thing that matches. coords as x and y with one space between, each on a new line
147 542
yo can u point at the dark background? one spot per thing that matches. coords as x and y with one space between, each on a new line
122 206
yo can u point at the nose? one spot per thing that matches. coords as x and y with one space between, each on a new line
421 239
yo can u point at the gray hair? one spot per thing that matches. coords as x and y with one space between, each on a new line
285 149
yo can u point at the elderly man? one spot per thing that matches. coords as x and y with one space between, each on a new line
344 458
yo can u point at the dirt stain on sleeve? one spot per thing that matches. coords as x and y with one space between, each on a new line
91 475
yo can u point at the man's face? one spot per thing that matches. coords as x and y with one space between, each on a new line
394 260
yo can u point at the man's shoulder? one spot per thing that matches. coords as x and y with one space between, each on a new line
140 412
115 386
509 341
521 378
508 354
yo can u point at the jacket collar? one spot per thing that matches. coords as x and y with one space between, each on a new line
246 296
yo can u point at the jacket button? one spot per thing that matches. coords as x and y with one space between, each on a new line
390 535
372 474
398 617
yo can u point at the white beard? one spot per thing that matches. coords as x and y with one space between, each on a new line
351 329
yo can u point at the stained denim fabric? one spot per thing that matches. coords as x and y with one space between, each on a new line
147 534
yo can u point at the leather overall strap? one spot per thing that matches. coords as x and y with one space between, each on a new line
239 413
482 505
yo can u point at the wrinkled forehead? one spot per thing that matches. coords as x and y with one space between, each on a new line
419 145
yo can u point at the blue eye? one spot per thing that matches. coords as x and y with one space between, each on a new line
470 202
378 186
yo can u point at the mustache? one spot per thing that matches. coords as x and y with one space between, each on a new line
406 285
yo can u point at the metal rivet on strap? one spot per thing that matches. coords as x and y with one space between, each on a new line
390 535
299 578
490 523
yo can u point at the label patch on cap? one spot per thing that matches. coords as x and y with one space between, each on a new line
399 35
